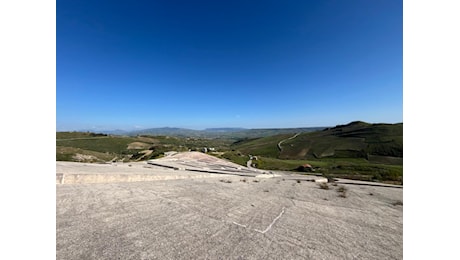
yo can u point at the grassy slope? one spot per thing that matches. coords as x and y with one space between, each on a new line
355 140
357 151
266 146
351 168
68 154
103 145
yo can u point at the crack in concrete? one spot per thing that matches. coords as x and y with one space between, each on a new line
238 224
271 224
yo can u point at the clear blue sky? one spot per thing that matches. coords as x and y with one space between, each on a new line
252 64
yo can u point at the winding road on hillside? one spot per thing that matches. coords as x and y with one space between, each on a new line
290 138
249 163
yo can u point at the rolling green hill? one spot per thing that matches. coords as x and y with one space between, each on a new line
357 150
354 140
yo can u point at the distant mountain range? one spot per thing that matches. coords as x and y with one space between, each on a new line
227 132
236 133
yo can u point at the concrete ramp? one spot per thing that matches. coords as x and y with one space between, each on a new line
62 178
74 172
200 162
187 165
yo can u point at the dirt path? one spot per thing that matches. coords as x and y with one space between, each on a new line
292 137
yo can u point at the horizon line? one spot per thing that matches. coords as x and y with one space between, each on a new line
98 129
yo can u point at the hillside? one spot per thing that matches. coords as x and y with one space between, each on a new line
358 150
374 142
92 147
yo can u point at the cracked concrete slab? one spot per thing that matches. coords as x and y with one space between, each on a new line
223 216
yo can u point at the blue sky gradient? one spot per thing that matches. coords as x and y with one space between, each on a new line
253 64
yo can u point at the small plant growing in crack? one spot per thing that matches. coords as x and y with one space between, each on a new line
342 190
323 186
397 203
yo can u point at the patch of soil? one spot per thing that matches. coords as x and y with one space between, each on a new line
138 145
